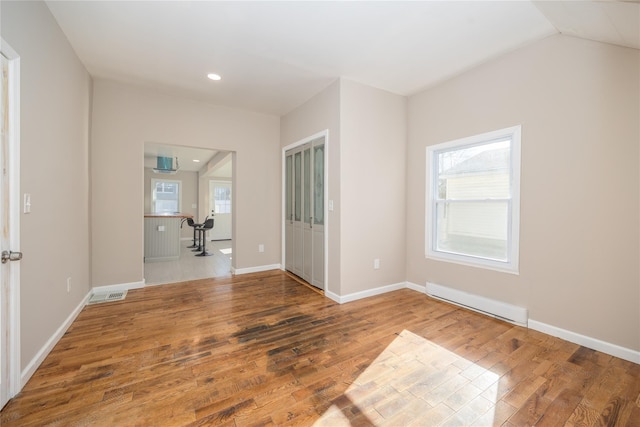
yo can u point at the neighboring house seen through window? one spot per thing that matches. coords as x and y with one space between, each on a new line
473 200
165 196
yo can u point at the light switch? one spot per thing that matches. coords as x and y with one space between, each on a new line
161 228
331 205
27 203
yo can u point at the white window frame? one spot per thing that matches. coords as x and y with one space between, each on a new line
511 265
154 181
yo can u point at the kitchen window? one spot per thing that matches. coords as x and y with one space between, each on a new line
473 200
165 196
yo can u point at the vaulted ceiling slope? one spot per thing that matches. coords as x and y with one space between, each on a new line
273 56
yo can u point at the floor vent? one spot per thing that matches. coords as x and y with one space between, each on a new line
107 297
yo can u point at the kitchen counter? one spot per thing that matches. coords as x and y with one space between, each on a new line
168 215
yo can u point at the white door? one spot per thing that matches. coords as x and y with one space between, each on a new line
9 272
298 236
317 219
304 211
220 201
288 217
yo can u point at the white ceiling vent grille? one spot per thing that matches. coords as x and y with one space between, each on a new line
107 297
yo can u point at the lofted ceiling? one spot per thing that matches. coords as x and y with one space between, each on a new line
274 56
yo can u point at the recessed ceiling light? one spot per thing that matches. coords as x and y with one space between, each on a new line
213 76
196 160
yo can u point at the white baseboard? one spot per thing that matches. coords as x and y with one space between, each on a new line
119 287
31 367
365 294
418 288
257 269
332 296
583 340
491 307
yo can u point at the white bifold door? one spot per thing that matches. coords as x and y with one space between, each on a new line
304 210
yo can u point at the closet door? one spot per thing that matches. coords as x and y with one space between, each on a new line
298 235
304 212
317 224
307 186
288 220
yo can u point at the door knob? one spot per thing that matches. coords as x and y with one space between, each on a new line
11 256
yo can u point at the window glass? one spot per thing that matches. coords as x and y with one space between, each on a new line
307 186
318 180
222 199
298 185
473 200
166 196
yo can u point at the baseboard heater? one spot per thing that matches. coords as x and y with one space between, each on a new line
510 313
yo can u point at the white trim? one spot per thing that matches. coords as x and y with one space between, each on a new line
365 294
583 340
416 287
257 269
31 367
512 264
13 315
325 134
332 296
118 287
509 312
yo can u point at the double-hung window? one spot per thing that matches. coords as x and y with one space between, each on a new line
165 196
473 200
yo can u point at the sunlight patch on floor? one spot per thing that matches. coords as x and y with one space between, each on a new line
416 382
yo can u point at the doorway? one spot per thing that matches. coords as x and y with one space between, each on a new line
176 187
305 216
10 381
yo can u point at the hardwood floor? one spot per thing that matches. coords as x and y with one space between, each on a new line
261 349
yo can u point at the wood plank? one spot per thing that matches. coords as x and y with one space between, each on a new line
261 349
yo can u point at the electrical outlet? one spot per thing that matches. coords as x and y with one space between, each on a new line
68 284
376 264
260 247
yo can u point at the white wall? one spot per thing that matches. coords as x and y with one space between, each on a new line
367 155
579 106
54 141
373 169
124 118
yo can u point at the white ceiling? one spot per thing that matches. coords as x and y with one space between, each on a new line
273 56
185 155
211 163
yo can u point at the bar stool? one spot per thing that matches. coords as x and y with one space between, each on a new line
191 223
197 244
208 225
